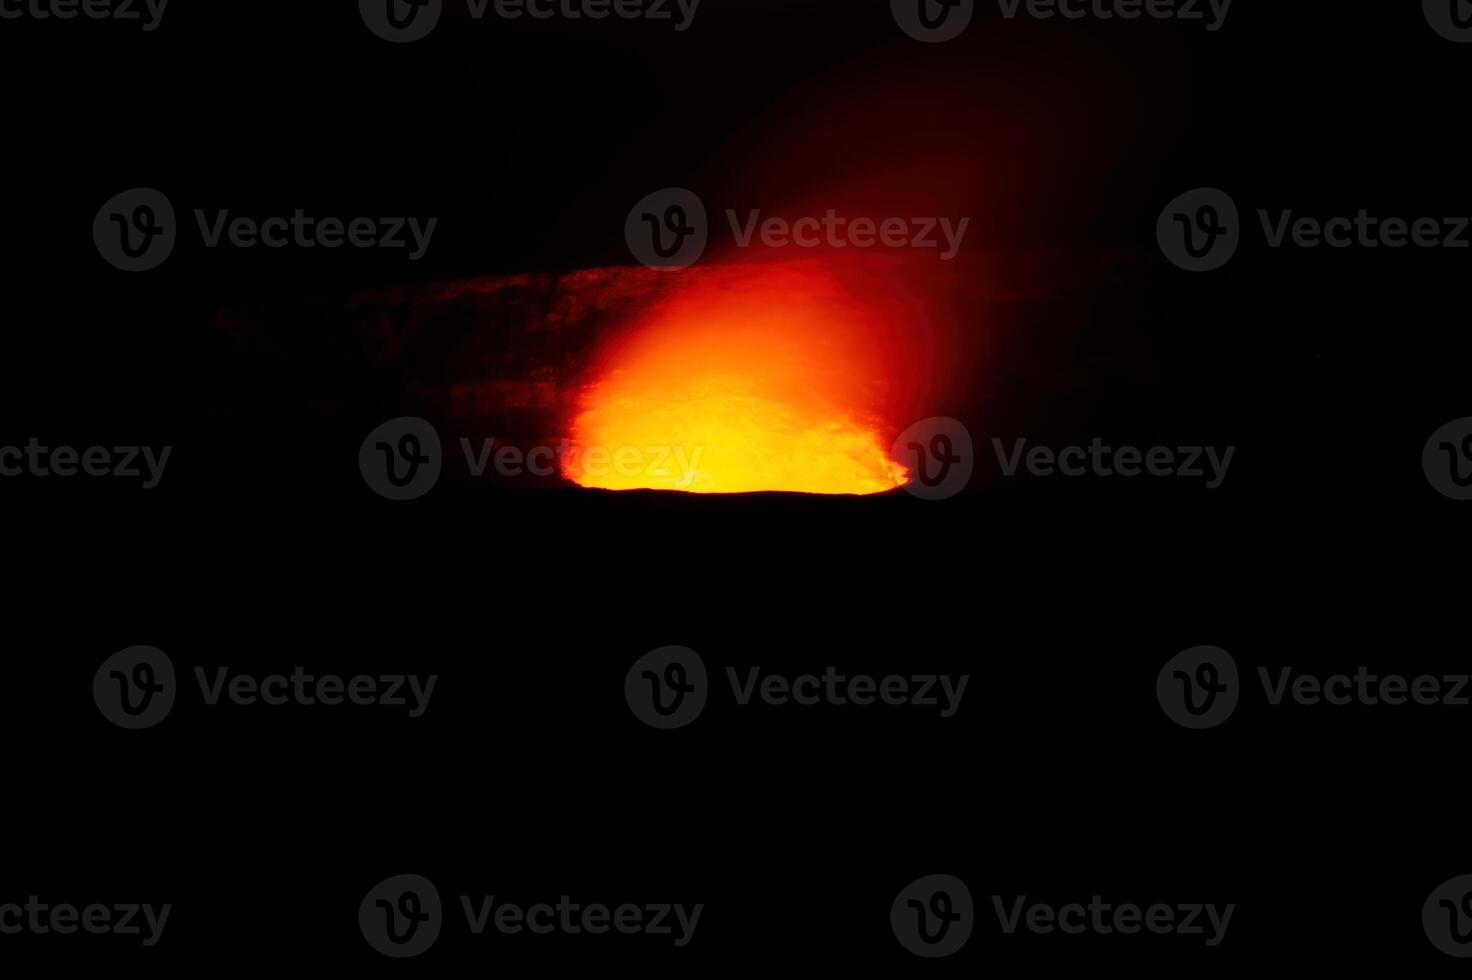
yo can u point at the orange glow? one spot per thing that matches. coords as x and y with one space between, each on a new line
748 378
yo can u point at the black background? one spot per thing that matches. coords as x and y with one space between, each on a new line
528 778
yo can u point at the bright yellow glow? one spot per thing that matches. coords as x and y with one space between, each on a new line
757 384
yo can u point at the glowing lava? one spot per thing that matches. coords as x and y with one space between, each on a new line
755 378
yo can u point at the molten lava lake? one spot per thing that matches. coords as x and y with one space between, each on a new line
762 377
789 377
